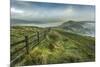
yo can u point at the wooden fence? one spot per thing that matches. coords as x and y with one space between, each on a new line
20 48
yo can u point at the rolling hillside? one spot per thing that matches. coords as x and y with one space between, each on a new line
60 46
86 28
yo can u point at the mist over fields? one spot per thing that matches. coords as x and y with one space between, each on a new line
54 15
86 28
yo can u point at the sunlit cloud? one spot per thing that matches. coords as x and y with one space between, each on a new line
13 10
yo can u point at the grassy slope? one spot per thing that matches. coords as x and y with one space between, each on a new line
63 47
59 47
17 34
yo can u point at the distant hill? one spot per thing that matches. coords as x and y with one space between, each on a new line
15 22
80 27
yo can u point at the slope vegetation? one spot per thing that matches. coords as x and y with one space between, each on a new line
60 46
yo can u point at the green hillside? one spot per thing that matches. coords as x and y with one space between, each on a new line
80 27
60 46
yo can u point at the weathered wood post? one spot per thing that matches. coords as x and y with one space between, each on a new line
49 29
26 44
44 34
38 37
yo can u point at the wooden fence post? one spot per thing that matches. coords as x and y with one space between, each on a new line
44 33
49 29
27 45
38 37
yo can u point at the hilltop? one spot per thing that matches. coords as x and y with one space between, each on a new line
86 28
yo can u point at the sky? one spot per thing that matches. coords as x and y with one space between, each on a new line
49 14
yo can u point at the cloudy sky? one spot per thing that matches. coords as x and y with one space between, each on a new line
49 14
